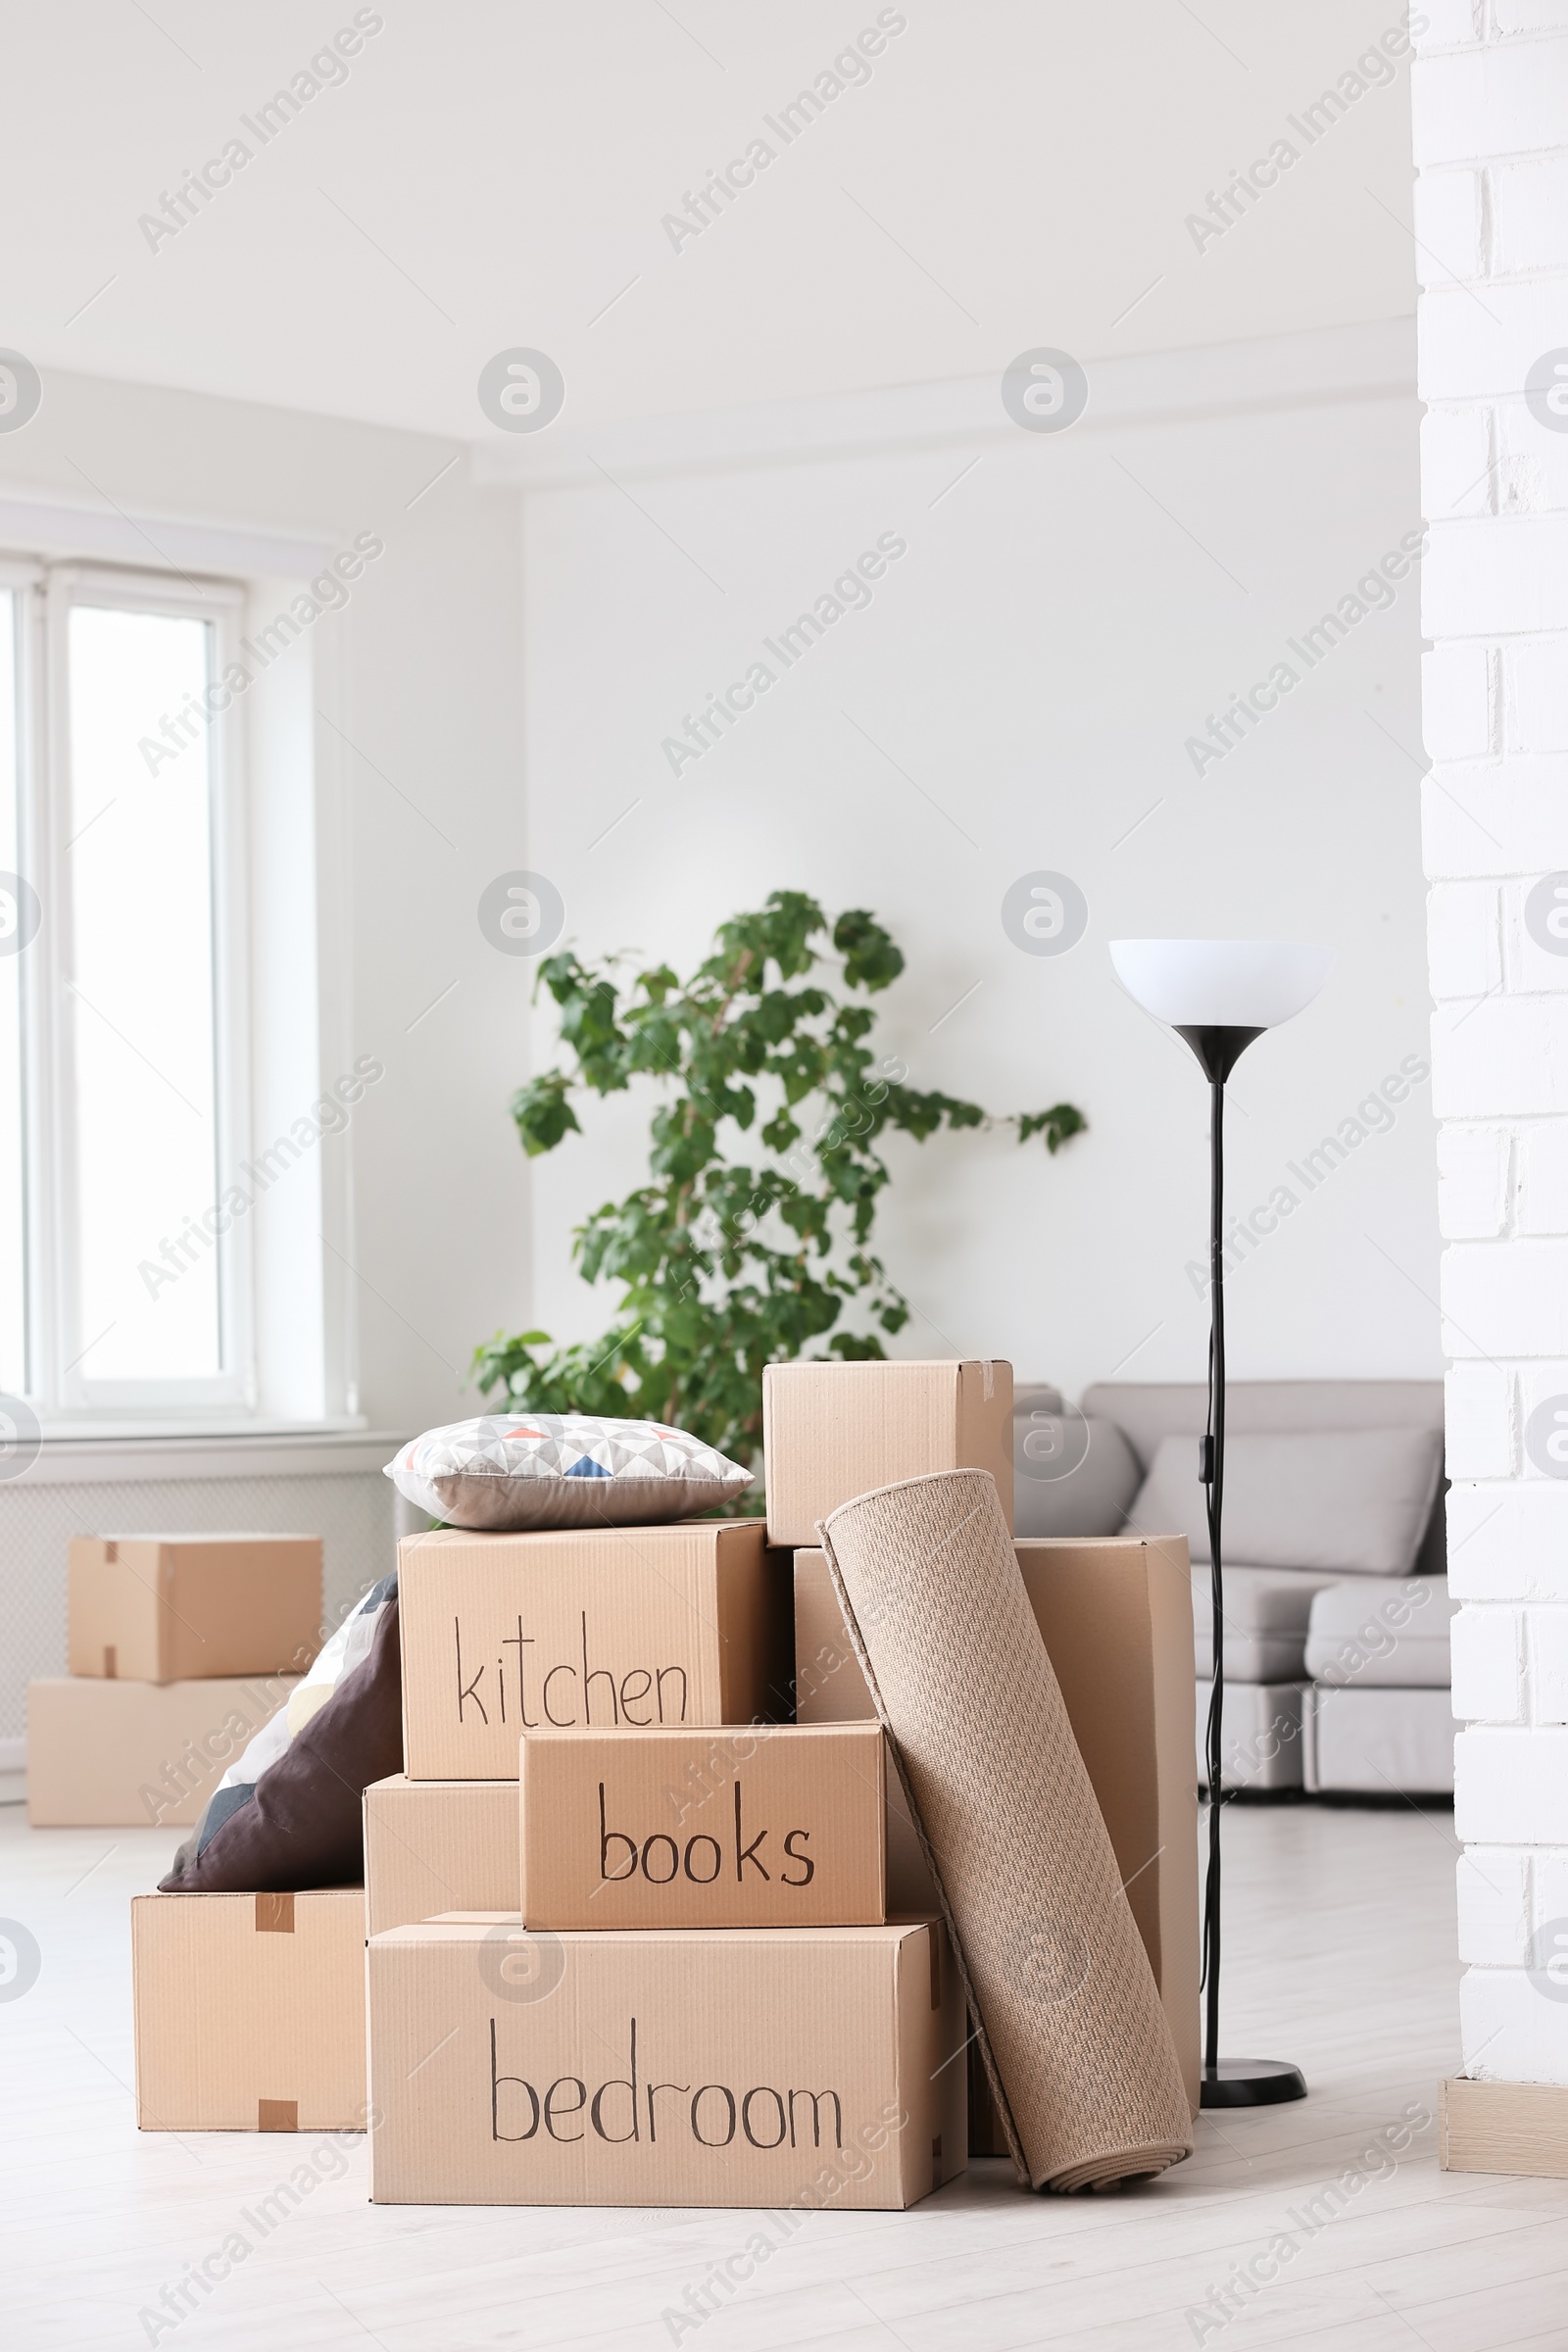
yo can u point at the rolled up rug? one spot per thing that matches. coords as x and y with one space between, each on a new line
1075 2044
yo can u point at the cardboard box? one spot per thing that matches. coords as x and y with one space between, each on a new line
792 2068
771 1826
832 1430
1116 1614
439 1846
687 1624
454 1845
829 1688
250 2011
124 1755
173 1608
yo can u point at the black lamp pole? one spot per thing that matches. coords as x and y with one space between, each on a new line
1257 2081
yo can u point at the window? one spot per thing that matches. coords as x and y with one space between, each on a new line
123 1079
15 925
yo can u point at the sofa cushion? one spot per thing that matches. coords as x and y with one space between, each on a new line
1267 1611
1384 1744
1262 1737
1149 1411
1382 1634
1348 1502
1070 1476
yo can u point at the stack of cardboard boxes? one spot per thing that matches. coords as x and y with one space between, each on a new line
701 2002
635 1935
181 1648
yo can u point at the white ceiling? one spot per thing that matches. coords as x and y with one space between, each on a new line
494 173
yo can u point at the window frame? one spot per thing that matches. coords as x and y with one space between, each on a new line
59 1389
21 576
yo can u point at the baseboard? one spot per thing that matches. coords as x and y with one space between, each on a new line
13 1753
1519 2127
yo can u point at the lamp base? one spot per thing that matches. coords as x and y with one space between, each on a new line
1250 2082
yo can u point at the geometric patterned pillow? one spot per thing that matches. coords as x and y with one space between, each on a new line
517 1471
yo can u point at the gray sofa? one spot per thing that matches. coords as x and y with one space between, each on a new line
1335 1680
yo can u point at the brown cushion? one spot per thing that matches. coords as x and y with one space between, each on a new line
302 1824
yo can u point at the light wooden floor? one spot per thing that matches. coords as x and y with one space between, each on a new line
1340 1939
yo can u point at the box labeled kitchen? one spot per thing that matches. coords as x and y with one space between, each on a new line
792 2068
758 1825
604 1628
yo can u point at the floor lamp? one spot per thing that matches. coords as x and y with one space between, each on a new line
1219 995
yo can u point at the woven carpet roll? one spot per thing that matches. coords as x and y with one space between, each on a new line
1075 2042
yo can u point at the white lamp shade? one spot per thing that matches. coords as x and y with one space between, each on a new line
1220 983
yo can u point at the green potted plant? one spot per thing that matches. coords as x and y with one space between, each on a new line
725 1266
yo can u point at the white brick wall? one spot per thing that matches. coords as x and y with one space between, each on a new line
1473 1189
1494 1922
1507 1538
1490 105
1542 1205
1488 1652
1535 685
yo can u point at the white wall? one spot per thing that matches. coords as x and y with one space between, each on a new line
417 748
1011 175
1066 617
1492 140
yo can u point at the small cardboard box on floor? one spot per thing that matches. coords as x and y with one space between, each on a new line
250 2011
177 1608
132 1755
796 2068
602 1627
832 1430
1115 1615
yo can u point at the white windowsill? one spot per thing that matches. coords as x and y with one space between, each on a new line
61 1429
99 1452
